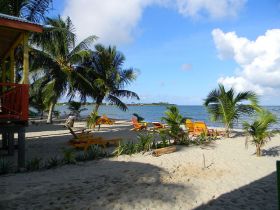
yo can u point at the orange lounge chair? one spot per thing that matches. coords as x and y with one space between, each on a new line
84 140
200 128
138 126
158 125
189 126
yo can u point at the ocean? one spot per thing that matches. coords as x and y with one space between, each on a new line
155 113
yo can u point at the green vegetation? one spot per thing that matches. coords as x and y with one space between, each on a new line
106 77
34 164
226 107
258 131
5 166
139 118
76 108
69 156
173 120
54 55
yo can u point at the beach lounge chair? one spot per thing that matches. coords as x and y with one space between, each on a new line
200 128
138 126
85 139
189 126
158 125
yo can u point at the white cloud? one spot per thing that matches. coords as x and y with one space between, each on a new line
186 67
209 8
115 21
259 60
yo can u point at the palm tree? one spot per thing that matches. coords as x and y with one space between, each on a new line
226 106
174 119
55 56
76 108
32 10
259 131
106 78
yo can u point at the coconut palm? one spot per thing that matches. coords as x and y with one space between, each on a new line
258 131
32 10
55 56
226 106
106 77
76 108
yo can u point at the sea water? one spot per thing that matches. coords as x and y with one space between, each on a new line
155 113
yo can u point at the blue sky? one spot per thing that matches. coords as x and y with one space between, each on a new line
182 49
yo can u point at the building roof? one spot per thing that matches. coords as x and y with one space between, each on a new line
11 30
19 23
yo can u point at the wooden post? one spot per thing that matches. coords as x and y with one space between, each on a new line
21 147
25 59
11 143
278 181
12 66
4 70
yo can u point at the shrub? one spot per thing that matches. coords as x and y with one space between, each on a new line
5 166
52 163
94 152
34 164
69 156
145 142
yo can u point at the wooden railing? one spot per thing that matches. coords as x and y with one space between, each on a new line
14 101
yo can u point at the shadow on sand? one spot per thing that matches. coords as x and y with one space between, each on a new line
103 184
258 195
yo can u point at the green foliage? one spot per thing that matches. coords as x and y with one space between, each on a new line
91 120
55 55
106 77
145 141
76 108
95 152
139 118
258 131
173 120
5 166
225 106
52 162
32 10
34 164
69 156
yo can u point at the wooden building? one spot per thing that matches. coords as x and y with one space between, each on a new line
14 96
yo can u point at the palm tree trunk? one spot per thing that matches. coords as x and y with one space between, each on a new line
227 131
51 108
258 150
96 108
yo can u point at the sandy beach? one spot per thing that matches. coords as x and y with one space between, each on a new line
232 176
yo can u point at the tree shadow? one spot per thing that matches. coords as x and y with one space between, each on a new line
260 194
273 151
103 184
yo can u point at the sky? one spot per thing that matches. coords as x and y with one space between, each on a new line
182 49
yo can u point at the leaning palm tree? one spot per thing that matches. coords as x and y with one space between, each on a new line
226 106
55 56
32 10
259 131
106 78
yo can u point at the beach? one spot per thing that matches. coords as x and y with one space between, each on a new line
220 175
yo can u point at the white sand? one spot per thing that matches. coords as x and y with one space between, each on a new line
232 179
